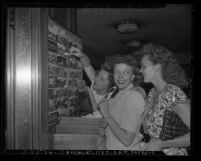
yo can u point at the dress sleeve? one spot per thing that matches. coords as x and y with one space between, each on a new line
133 108
179 96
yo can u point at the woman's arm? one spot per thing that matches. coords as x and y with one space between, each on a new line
93 101
89 70
125 131
183 110
157 145
124 136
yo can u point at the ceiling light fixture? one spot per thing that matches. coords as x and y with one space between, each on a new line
127 26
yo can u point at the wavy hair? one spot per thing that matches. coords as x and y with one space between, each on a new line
125 59
172 72
107 67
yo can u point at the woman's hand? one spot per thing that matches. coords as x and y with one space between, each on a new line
153 145
104 107
83 58
75 51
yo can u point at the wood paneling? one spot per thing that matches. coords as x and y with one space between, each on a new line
79 133
79 125
75 142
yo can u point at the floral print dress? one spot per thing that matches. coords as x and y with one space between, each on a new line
160 120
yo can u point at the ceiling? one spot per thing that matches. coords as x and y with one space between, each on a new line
169 26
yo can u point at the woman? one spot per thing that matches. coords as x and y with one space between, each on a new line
123 112
101 80
167 111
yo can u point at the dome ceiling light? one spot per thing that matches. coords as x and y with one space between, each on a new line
127 27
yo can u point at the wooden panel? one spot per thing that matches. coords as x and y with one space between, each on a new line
79 125
75 142
79 134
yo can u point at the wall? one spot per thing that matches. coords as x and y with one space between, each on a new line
65 16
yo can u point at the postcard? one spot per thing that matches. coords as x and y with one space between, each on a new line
61 61
52 94
52 105
52 81
52 46
52 57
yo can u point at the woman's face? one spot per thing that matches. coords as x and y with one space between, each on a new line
123 75
101 82
147 69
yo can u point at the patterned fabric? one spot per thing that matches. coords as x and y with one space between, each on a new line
161 121
173 126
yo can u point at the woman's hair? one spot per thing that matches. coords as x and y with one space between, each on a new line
172 73
107 67
126 59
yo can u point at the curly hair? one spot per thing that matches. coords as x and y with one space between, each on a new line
107 67
126 59
172 72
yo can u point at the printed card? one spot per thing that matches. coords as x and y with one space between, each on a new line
61 81
52 105
61 51
52 57
67 92
53 117
79 74
52 69
52 81
72 74
61 61
52 94
52 36
73 90
61 93
52 46
73 62
68 62
73 82
59 101
62 72
81 85
61 41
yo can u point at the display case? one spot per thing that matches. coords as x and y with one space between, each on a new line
68 97
45 90
66 87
